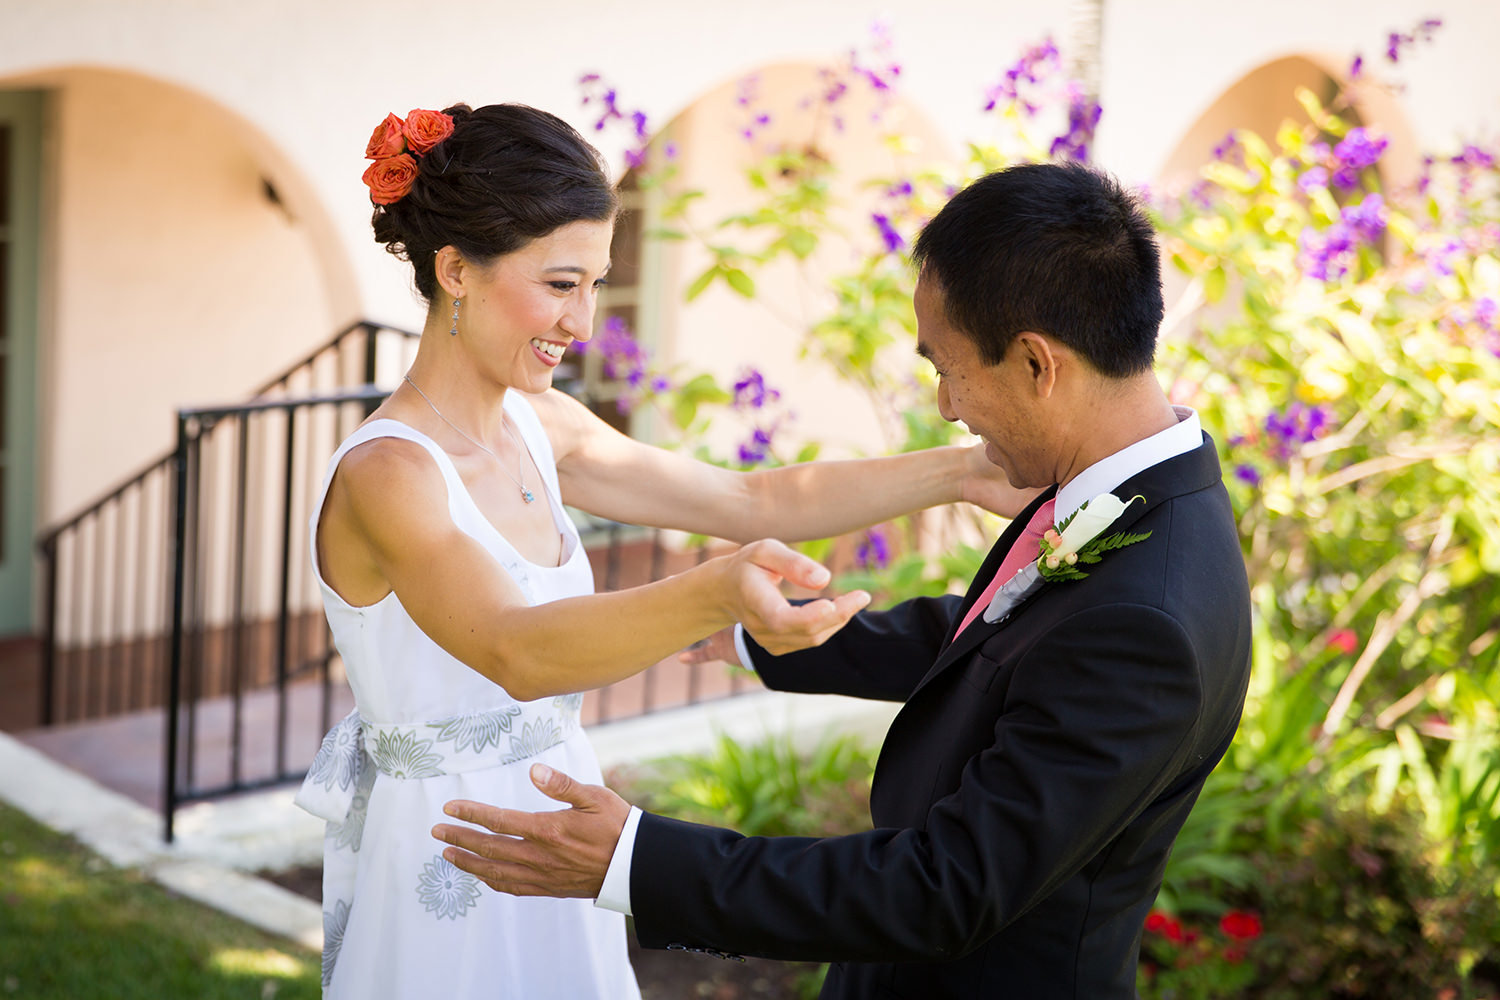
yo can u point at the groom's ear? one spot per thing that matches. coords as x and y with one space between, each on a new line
1041 358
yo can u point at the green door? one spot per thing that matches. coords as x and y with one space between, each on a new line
20 159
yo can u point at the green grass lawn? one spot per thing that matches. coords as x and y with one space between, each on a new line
73 926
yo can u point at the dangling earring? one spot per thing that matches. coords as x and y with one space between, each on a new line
453 330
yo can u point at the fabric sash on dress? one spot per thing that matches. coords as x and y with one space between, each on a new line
354 750
338 784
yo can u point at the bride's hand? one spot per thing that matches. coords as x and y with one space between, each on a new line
753 576
985 485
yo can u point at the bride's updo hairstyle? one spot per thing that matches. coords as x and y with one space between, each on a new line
506 175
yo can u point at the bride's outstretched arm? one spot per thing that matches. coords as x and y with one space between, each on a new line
386 517
607 473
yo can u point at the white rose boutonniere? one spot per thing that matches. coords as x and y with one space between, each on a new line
1073 543
1077 540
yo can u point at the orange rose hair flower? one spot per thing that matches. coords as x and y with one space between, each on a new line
396 146
388 139
425 129
389 178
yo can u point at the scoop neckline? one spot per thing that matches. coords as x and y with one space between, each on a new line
560 519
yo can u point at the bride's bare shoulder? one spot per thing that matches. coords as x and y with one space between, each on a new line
566 420
385 475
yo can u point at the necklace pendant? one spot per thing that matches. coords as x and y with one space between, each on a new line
527 495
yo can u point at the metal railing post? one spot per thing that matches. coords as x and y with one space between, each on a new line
237 601
48 664
174 650
371 352
195 599
282 627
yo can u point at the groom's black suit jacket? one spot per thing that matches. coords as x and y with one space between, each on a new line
1028 792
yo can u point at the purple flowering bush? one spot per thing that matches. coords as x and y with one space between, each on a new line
1341 342
1348 362
865 336
1346 359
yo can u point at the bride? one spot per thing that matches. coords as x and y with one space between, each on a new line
458 592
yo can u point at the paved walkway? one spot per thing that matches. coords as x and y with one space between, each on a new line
219 844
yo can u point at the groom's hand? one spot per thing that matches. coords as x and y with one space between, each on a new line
717 648
563 853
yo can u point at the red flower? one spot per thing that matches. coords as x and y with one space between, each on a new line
386 140
1240 925
1158 922
425 129
1344 640
390 178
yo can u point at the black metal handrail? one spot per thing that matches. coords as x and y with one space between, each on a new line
212 594
366 360
103 571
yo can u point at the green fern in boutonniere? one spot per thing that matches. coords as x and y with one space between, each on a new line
1077 542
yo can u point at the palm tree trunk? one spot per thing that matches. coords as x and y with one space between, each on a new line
1085 36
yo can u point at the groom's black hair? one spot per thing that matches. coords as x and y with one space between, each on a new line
1054 248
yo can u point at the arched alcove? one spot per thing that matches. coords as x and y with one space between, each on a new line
1264 98
187 261
1261 101
714 139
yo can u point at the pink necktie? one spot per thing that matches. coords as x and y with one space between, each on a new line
1025 550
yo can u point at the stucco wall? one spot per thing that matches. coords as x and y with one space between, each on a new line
316 77
175 281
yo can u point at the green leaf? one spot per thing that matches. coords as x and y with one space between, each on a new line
740 282
1229 176
1310 103
817 549
1257 153
704 388
684 409
677 206
701 282
802 242
1116 541
1215 281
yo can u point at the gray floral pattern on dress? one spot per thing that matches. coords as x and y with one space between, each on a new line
402 755
333 937
445 890
351 832
337 760
535 737
476 731
568 703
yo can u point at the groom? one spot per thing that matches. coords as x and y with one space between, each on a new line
1046 755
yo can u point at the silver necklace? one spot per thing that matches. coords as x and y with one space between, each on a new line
526 494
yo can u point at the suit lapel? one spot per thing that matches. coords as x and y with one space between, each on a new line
991 564
978 629
1178 476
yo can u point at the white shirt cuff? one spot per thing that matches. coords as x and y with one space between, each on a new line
741 650
614 894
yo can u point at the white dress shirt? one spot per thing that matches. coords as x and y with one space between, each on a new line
1101 477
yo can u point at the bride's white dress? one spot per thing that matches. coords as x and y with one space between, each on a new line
398 920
